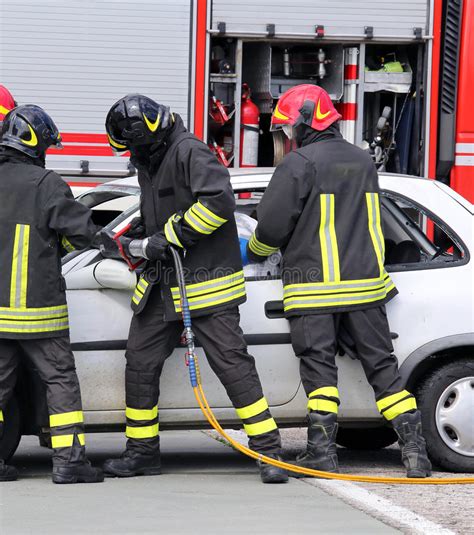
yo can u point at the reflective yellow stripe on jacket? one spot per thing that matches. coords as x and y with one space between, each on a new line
140 290
67 245
328 239
341 293
170 232
34 320
213 292
19 277
259 248
18 317
203 220
375 228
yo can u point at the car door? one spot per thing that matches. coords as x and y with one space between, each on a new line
431 275
100 318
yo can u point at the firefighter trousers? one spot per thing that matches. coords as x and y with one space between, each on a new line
150 343
315 340
54 362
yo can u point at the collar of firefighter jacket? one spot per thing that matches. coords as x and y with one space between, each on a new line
307 135
10 155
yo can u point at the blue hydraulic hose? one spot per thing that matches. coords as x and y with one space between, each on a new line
186 315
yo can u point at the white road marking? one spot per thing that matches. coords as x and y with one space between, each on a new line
379 507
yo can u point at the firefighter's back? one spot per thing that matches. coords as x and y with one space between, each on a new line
31 287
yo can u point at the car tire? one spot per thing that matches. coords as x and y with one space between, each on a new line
444 397
368 438
12 430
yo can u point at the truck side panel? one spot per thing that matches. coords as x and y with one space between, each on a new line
76 59
462 176
338 16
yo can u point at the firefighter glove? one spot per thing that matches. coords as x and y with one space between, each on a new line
157 247
137 229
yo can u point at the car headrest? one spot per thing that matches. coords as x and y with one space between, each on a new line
405 252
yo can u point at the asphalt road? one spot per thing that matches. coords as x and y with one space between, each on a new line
433 509
206 488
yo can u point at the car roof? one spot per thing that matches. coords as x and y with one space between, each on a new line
240 178
257 178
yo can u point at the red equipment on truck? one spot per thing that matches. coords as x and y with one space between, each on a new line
249 131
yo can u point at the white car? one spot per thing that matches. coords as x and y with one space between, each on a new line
431 322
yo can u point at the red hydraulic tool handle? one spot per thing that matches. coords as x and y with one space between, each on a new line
128 260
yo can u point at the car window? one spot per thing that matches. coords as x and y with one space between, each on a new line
107 205
415 238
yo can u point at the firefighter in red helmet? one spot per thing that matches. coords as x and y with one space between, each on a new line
322 209
7 102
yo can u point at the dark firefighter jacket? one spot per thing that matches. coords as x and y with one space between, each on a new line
322 209
39 220
186 193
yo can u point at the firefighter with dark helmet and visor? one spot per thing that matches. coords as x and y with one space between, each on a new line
40 221
322 209
187 202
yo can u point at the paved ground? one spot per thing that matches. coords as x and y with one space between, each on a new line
206 488
431 509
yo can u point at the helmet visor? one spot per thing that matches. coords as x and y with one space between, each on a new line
286 128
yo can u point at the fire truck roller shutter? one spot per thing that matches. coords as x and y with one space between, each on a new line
83 56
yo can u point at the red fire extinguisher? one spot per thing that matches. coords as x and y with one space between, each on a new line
249 131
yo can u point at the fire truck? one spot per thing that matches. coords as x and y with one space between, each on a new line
400 73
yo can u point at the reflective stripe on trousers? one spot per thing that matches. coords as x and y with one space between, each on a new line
256 418
62 424
142 423
392 406
324 399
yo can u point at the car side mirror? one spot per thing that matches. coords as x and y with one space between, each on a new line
114 274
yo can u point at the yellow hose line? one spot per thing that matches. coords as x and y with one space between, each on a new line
206 409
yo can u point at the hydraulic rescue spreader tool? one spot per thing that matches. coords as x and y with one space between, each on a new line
195 378
133 264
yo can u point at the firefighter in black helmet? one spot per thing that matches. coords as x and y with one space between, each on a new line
40 220
322 209
187 202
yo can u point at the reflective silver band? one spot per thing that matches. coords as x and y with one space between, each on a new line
137 248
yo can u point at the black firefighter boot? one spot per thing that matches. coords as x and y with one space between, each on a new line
7 473
270 473
412 444
75 468
133 462
321 452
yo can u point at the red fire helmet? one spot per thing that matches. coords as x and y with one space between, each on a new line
7 102
305 103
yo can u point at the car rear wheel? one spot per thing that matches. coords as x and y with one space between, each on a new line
446 401
368 438
12 430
